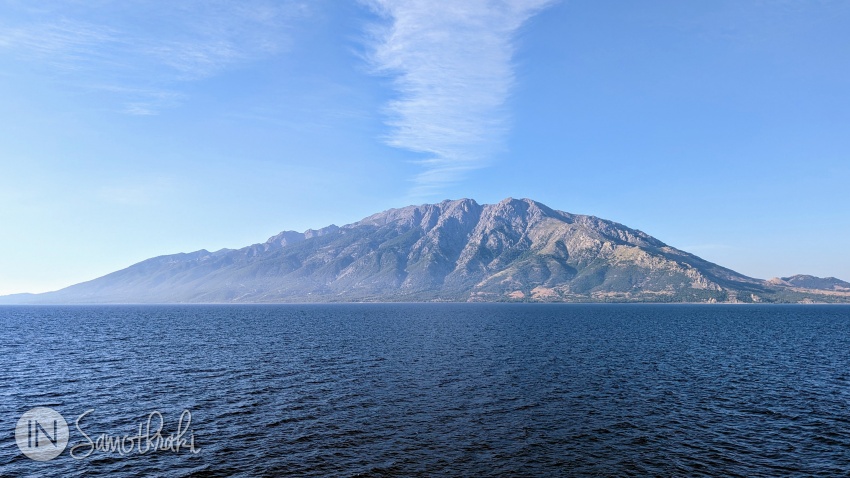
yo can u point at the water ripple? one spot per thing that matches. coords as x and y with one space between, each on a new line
442 389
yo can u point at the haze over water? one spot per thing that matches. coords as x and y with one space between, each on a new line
439 389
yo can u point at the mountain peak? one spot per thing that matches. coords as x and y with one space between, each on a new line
286 238
454 250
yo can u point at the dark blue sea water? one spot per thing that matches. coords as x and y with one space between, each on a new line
438 390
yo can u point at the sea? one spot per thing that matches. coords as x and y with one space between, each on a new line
377 390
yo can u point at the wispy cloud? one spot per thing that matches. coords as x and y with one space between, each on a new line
451 64
64 44
156 49
142 101
140 191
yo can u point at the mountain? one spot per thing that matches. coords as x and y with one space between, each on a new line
516 250
812 282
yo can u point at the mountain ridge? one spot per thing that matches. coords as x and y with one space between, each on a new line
455 250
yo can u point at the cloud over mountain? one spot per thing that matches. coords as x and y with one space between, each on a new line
452 71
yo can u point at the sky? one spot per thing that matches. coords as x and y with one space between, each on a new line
132 129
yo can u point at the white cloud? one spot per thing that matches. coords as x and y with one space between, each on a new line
140 109
142 101
147 47
140 191
63 44
451 67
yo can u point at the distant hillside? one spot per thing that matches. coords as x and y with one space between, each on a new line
516 250
812 282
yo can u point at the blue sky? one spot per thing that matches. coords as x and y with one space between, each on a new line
134 129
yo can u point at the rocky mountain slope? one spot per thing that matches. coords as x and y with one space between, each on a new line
516 250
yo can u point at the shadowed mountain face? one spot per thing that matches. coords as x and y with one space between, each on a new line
454 251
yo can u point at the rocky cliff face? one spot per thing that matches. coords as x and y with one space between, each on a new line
455 250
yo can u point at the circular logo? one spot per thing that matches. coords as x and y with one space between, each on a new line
42 434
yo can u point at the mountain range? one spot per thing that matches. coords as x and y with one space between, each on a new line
515 250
